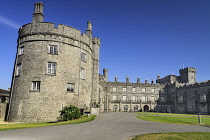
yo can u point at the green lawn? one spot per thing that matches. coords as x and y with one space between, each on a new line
169 114
11 126
174 118
175 136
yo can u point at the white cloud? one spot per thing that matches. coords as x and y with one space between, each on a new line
9 22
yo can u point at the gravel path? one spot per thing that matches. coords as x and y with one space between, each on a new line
107 126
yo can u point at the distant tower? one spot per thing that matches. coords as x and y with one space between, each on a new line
54 67
105 73
188 75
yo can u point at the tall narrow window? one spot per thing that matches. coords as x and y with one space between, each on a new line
134 98
35 85
114 97
83 57
18 69
53 49
51 68
203 98
70 87
124 97
21 50
143 98
82 73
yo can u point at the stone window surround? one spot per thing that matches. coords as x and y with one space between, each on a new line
51 68
21 50
53 49
71 87
124 89
18 69
35 85
82 73
114 89
83 57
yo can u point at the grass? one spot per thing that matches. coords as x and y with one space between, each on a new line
11 126
170 114
175 136
188 119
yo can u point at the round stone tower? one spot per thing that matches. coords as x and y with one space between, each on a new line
54 67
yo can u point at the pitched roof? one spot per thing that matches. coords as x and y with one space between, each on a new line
4 92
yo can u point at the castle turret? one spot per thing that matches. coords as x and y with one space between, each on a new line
188 75
38 15
89 29
105 73
55 67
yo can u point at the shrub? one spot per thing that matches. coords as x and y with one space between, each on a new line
69 113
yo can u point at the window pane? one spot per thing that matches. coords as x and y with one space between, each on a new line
70 87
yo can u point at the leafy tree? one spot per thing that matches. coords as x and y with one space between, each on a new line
69 113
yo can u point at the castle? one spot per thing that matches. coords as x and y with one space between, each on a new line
59 66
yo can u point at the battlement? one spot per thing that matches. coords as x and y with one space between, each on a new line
167 79
196 85
188 69
46 28
96 40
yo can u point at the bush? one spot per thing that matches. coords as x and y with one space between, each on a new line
69 113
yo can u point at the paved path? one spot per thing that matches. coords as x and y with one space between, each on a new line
107 126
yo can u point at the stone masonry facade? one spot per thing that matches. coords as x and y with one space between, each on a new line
59 66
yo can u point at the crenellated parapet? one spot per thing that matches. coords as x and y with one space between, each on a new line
45 31
187 69
196 85
96 40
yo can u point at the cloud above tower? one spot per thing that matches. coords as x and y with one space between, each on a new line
8 22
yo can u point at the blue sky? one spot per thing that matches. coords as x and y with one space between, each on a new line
139 38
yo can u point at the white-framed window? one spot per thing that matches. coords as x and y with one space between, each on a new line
124 89
114 97
114 89
134 89
21 50
153 90
51 68
35 85
143 90
82 73
18 69
83 56
203 98
70 87
53 49
124 97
